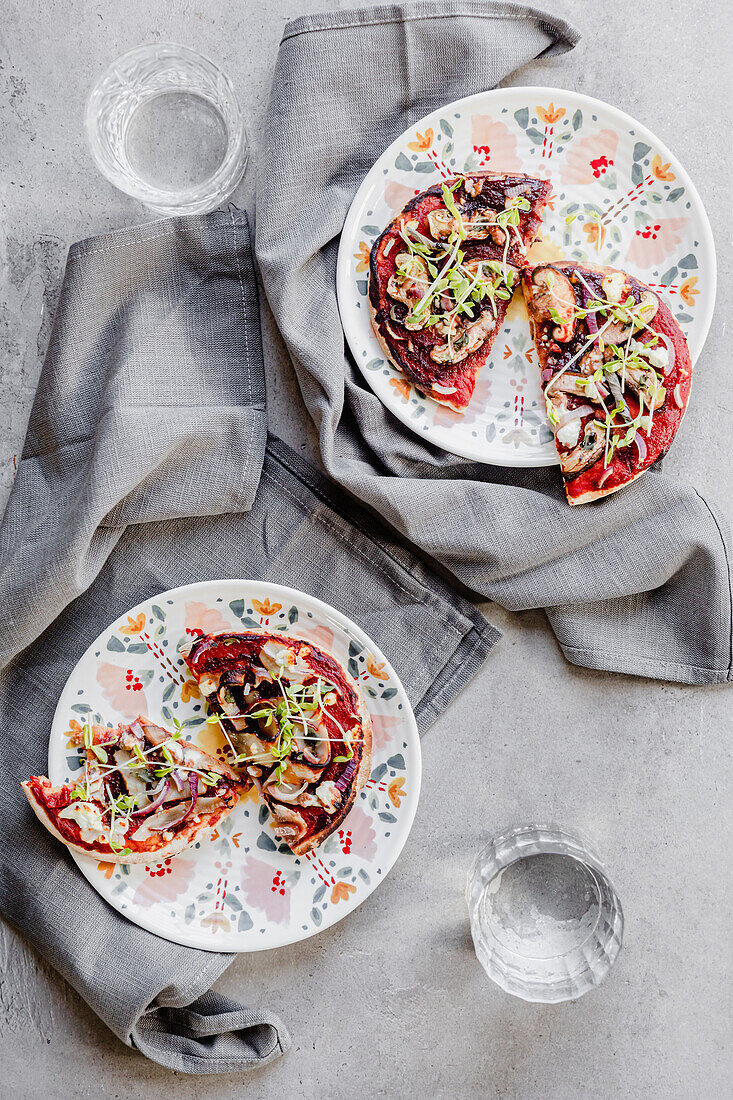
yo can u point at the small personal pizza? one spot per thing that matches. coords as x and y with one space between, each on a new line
442 274
297 726
145 794
616 373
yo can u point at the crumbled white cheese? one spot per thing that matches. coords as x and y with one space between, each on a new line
209 683
613 286
569 434
91 823
658 355
328 795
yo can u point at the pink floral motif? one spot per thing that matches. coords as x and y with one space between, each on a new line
320 635
655 240
396 195
201 619
265 888
363 839
383 727
494 141
216 921
587 159
165 881
122 690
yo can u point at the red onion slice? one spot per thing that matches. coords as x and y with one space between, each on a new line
573 414
591 323
678 397
193 782
153 805
547 374
604 477
641 447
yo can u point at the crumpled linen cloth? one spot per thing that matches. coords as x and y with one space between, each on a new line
147 466
636 583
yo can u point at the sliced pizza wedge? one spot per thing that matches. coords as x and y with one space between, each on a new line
297 726
443 272
616 373
145 794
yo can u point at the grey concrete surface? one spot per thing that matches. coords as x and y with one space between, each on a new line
391 1002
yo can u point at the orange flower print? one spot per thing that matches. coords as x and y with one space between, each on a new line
550 115
363 257
376 667
73 733
587 160
402 387
190 690
216 922
688 291
661 171
134 626
422 142
341 891
596 234
107 869
265 608
396 791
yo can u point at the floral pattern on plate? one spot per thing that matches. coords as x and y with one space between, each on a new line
620 198
240 889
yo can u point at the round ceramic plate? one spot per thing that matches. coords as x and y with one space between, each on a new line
239 889
619 198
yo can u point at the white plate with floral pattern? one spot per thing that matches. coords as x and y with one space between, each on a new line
239 889
619 198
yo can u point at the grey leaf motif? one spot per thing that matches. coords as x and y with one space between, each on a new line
402 163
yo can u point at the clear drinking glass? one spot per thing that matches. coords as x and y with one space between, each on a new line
546 921
164 125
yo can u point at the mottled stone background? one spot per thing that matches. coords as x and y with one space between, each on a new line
391 1002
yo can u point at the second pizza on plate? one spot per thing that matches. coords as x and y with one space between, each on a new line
616 369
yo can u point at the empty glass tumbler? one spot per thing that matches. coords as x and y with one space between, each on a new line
165 126
546 920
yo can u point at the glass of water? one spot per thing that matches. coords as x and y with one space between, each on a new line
165 126
546 920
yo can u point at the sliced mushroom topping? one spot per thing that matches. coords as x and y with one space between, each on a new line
579 384
443 225
646 383
551 290
283 791
644 311
473 186
410 280
316 752
588 451
467 340
591 361
289 824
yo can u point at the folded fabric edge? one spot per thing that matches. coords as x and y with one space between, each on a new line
603 661
170 1009
150 231
475 643
564 34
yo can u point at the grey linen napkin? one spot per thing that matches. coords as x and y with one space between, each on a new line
146 466
637 583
